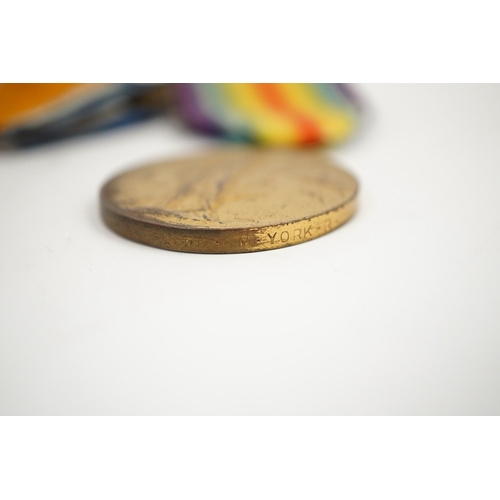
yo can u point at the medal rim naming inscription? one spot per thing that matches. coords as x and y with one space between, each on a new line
130 209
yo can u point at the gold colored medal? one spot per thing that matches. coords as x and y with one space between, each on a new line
231 200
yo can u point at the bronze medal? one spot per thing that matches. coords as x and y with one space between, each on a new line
231 200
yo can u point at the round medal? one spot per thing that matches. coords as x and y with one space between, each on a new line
230 200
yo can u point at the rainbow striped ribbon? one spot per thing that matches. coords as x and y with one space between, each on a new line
271 113
264 113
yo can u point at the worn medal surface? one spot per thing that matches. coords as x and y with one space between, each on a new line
239 199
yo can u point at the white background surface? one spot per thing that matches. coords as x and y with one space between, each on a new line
397 312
